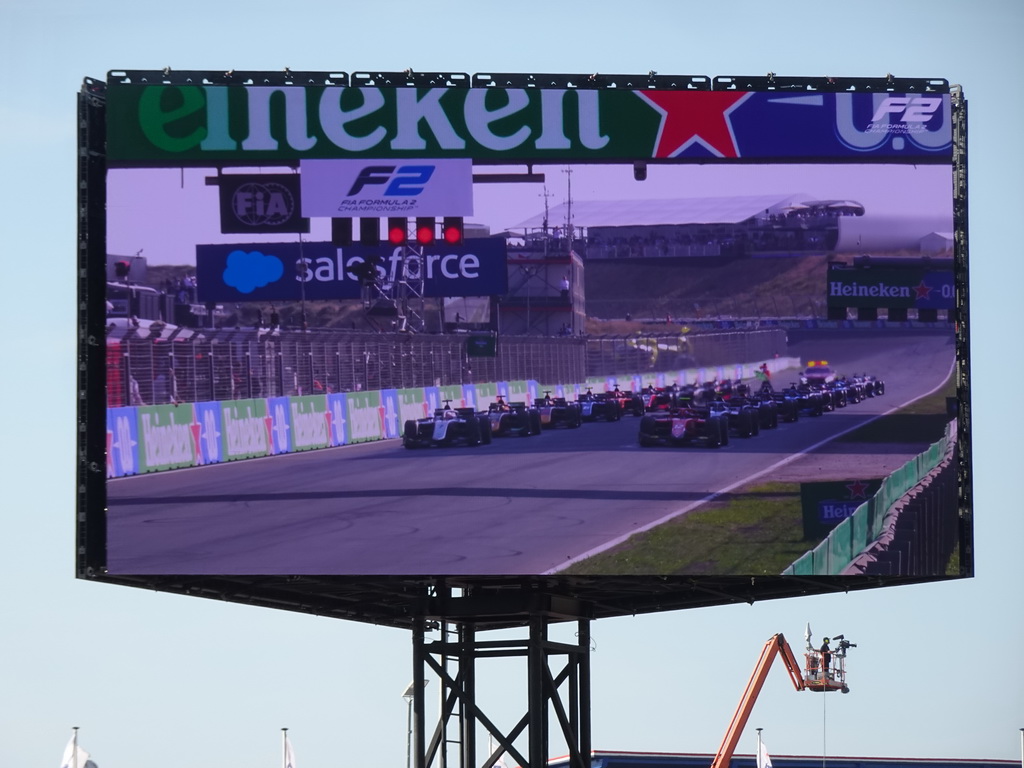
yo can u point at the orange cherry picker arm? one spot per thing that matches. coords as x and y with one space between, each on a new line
776 646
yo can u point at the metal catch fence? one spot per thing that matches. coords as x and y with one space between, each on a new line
149 370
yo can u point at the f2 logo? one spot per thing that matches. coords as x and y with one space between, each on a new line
914 109
402 181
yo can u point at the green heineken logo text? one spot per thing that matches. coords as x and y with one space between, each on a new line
215 122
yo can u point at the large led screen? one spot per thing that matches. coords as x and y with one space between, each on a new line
531 331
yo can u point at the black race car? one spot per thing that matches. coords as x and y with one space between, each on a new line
855 389
448 426
766 407
873 386
513 419
743 418
808 402
839 392
598 407
786 402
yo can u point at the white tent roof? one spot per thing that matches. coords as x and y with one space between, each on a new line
686 210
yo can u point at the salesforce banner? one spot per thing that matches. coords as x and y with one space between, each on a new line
323 271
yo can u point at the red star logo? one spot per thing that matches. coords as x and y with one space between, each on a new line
694 117
858 489
923 291
196 445
268 424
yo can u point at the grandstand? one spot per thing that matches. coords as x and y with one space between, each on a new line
706 226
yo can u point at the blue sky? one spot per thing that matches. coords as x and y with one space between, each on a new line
159 681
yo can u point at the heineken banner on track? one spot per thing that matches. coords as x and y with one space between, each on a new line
918 288
167 439
310 422
246 429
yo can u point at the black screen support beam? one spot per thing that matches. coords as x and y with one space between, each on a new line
557 694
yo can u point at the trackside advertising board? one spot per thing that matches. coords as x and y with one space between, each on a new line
249 124
323 271
399 444
145 439
919 288
255 203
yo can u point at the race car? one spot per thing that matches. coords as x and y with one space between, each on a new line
854 387
685 426
762 402
558 412
660 398
513 419
447 427
809 402
742 417
873 386
627 401
598 407
824 392
786 402
839 393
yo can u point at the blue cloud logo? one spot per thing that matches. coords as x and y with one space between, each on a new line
247 271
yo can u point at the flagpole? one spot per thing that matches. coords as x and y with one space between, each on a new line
74 751
284 748
757 760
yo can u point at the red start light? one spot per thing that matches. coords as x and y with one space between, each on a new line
451 229
397 230
425 235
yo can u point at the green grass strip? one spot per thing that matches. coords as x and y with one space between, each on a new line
758 531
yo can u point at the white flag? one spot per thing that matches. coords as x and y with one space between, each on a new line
763 760
74 756
289 755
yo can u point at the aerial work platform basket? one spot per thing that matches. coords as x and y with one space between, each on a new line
820 677
824 670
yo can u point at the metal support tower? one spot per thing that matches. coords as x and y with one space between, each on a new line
558 695
404 294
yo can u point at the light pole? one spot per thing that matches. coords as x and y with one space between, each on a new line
302 270
409 694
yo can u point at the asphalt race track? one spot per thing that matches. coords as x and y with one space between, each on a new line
518 506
